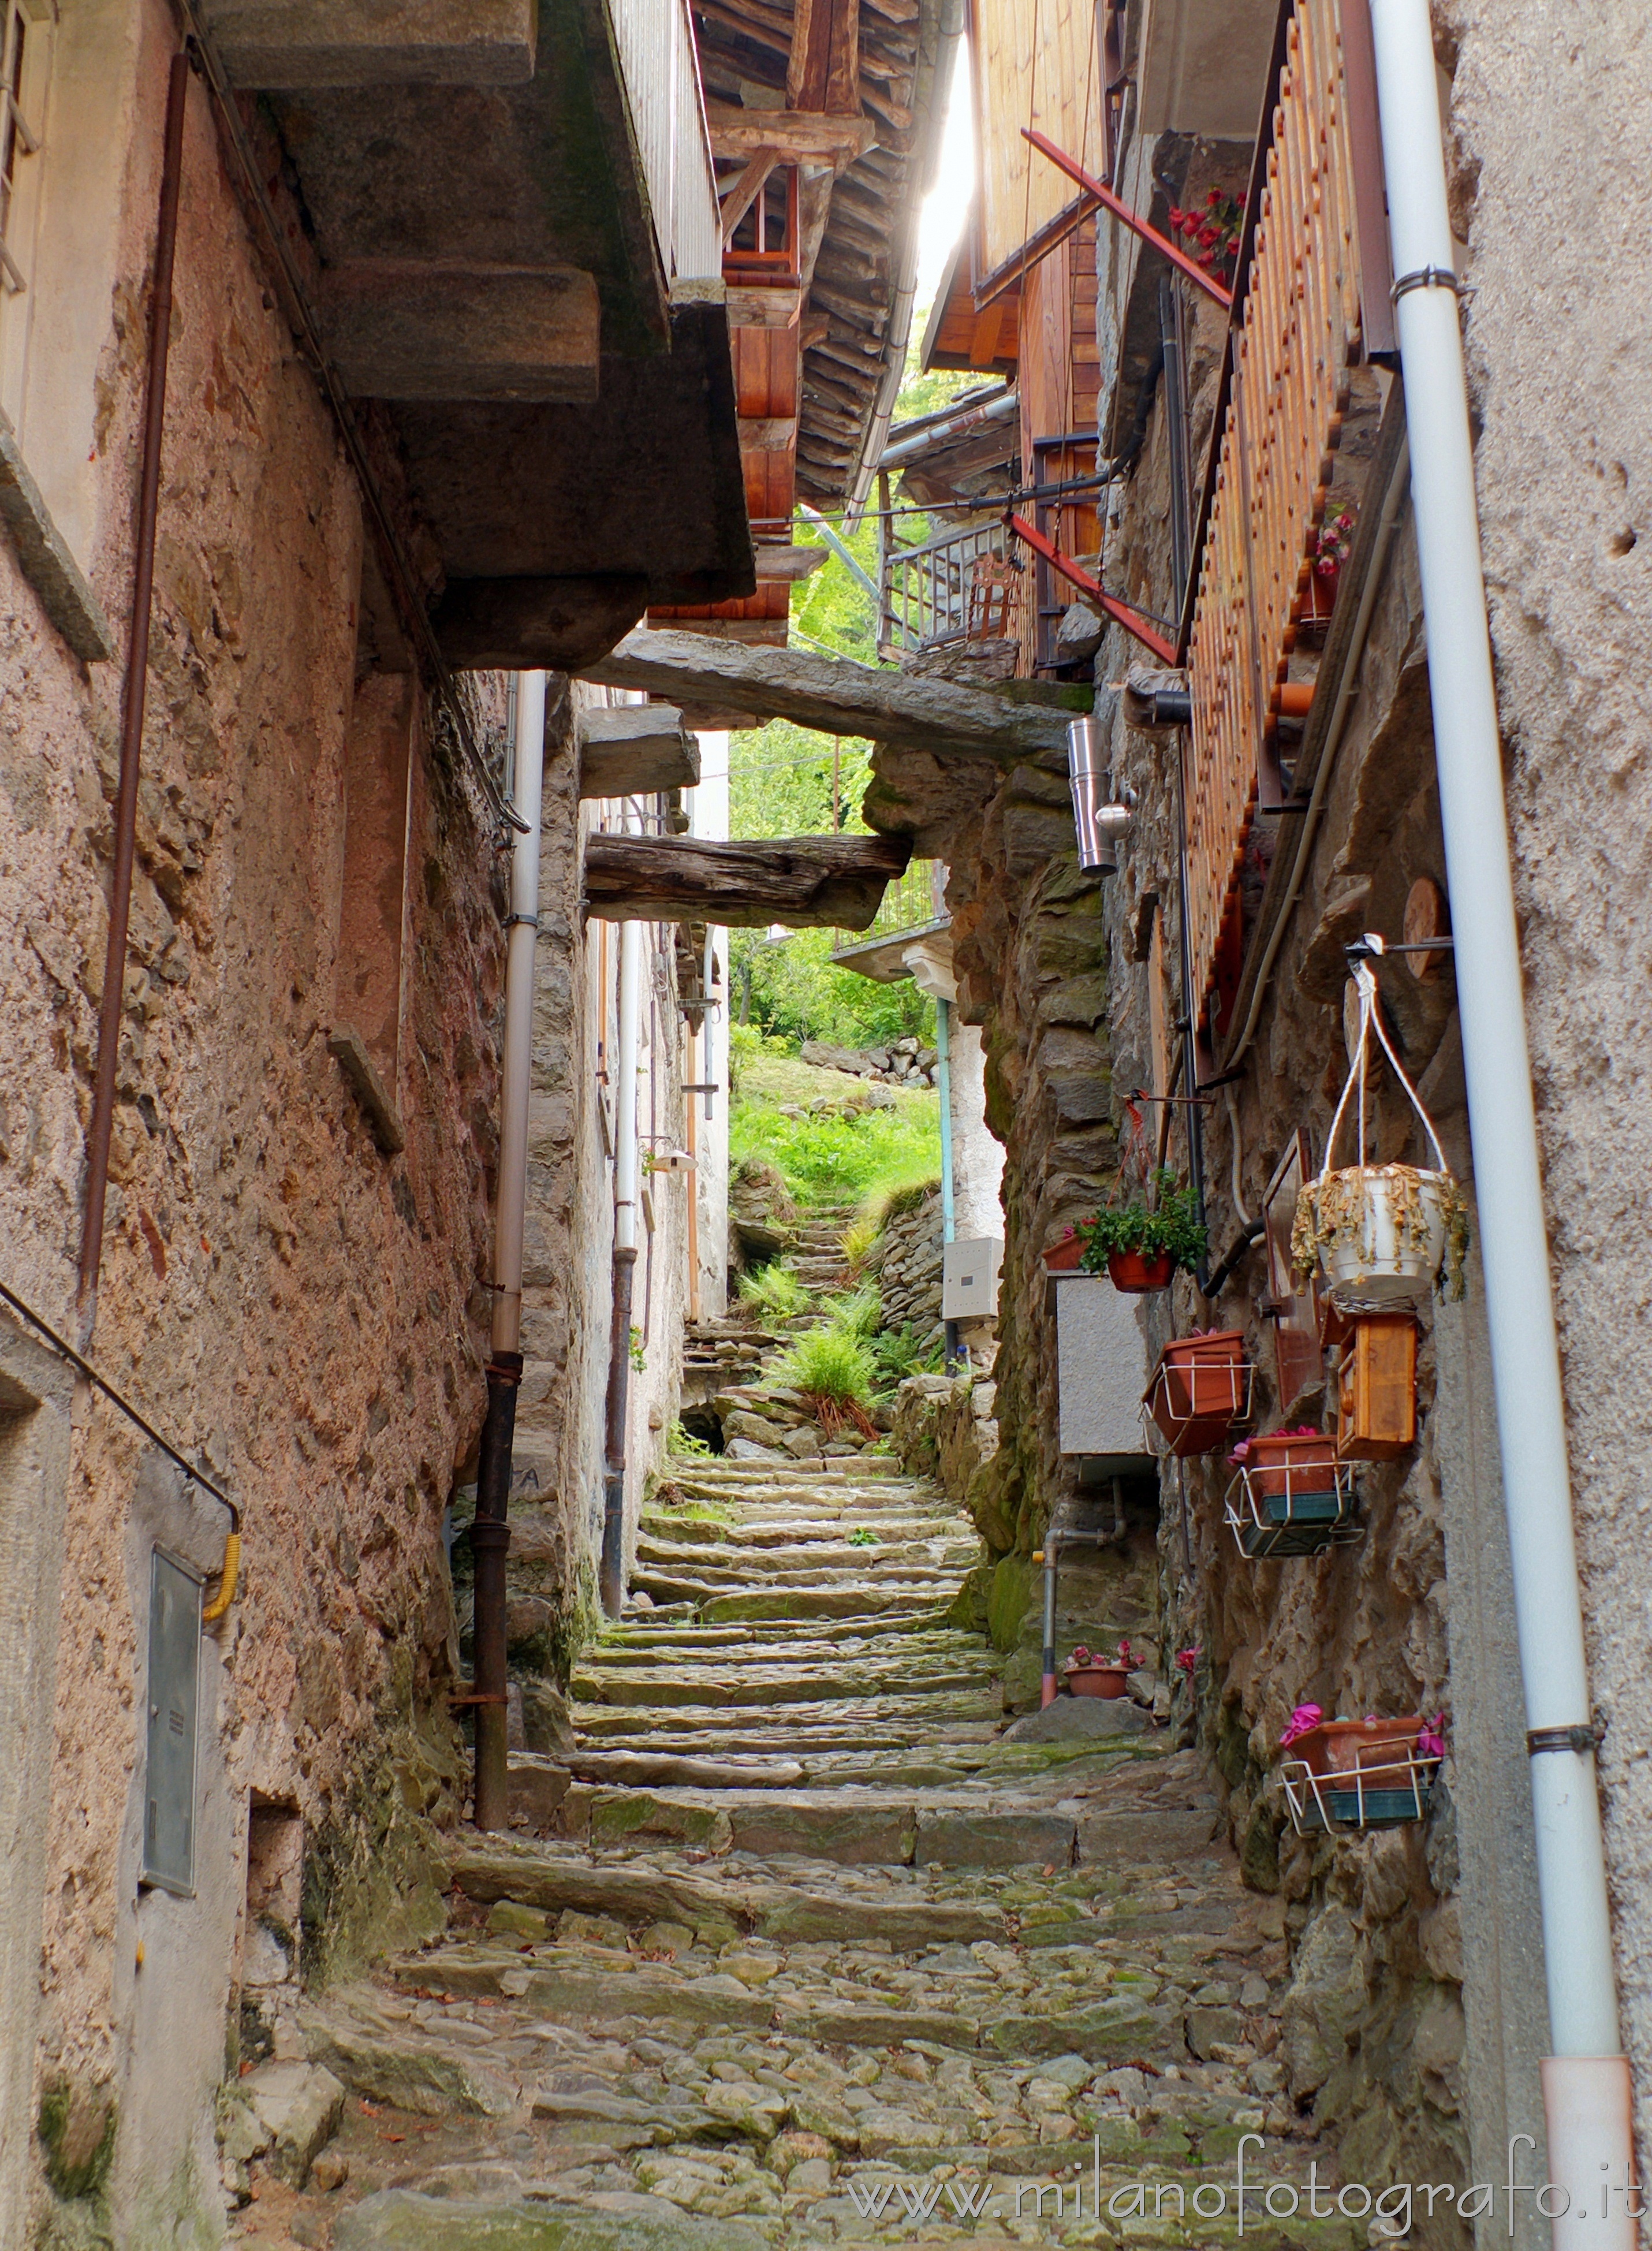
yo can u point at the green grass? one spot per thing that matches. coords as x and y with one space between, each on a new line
859 1240
835 1160
829 1363
775 1290
900 1193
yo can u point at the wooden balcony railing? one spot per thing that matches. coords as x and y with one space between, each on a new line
961 585
1300 328
662 71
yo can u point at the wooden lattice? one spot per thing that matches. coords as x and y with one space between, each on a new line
1300 338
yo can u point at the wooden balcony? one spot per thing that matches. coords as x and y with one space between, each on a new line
1308 312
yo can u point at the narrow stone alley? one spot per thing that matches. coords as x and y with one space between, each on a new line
818 1952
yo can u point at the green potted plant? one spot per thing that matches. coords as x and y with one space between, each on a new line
1140 1244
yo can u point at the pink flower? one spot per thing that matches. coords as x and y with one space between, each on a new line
1187 1660
1431 1742
1302 1721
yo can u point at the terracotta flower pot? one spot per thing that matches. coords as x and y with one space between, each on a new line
1341 1746
1283 1467
1205 1375
1063 1257
1135 1271
1098 1680
1320 599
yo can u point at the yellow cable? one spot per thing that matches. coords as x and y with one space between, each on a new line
225 1594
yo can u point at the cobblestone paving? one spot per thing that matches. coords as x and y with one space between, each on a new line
823 1958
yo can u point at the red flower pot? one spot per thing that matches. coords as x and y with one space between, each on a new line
1201 1388
1063 1257
1134 1271
1320 599
1098 1680
1281 1465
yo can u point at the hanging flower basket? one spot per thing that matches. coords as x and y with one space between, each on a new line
1088 1675
1137 1272
1358 1774
1292 1496
1380 1235
1200 1389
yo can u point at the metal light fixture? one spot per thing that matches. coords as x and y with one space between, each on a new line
1100 822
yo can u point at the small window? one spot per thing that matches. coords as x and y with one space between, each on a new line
25 65
173 1692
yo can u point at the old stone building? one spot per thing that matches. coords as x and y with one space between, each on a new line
321 443
1265 839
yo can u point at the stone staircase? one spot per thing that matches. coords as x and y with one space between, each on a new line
817 1249
817 1954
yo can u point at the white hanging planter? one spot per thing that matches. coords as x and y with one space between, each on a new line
1381 1235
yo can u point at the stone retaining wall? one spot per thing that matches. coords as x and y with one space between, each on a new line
906 1265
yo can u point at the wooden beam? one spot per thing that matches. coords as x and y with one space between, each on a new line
799 134
775 562
750 184
824 70
634 750
768 433
319 43
807 883
833 694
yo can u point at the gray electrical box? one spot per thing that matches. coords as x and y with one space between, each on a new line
969 1280
173 1698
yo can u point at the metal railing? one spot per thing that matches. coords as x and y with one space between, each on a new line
959 586
1288 387
662 71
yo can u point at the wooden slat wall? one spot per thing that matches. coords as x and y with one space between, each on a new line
1035 64
1300 336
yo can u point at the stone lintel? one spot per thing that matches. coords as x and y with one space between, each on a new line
311 43
634 751
556 624
46 560
349 1049
421 329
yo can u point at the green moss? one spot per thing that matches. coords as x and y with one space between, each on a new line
1259 1854
1014 1590
77 2128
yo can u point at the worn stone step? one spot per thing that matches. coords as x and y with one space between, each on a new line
623 1728
893 1527
762 1647
712 1560
840 1601
489 1869
772 1684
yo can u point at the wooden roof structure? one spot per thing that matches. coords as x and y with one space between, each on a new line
818 112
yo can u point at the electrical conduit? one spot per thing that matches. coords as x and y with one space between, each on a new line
490 1533
1587 2094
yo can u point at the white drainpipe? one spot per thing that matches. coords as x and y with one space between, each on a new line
612 1573
517 1065
1588 2093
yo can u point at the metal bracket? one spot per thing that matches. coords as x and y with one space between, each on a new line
1566 1739
529 922
1429 277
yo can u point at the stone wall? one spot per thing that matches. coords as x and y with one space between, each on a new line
1563 475
905 1263
297 1311
557 1500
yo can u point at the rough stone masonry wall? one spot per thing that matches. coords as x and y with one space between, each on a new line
906 1263
301 1312
1373 2029
1558 355
556 1498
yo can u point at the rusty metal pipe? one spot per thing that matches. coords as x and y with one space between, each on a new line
133 698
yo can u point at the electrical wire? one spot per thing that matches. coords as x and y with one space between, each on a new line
67 1351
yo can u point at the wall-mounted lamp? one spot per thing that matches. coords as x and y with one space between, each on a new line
1099 821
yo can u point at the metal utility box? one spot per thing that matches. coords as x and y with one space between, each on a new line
174 1700
969 1280
1101 1370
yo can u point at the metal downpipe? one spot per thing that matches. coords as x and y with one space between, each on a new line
1588 2093
134 700
490 1533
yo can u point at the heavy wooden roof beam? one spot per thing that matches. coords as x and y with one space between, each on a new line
800 135
807 883
833 694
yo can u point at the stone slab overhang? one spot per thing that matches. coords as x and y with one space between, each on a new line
484 269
